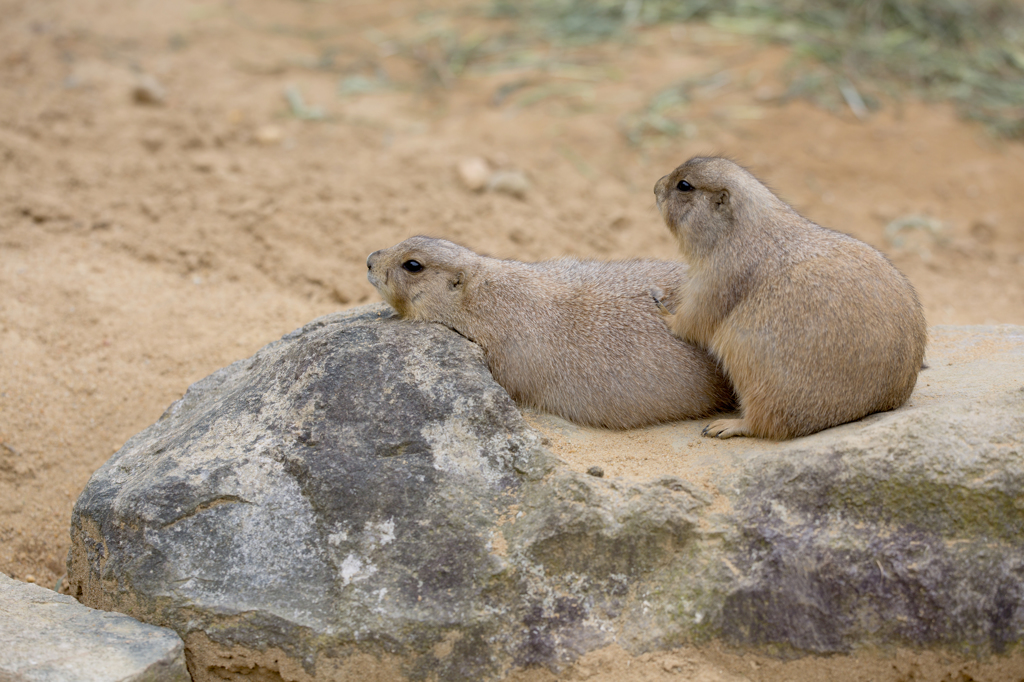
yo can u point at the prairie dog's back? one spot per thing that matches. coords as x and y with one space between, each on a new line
597 350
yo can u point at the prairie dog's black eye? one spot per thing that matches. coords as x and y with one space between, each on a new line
412 266
684 186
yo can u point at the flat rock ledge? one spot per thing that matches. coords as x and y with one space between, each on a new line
50 637
360 498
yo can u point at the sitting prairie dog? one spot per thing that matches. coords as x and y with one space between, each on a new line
582 339
812 327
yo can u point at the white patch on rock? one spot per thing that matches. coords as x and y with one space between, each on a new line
387 531
353 569
455 450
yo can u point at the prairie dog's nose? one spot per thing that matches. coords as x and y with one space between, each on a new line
369 260
660 185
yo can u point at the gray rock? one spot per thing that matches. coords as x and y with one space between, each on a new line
49 637
904 528
341 492
360 498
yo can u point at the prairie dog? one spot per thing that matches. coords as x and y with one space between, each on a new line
813 327
582 339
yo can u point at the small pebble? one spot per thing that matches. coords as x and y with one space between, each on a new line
474 173
30 578
147 90
510 182
269 134
596 471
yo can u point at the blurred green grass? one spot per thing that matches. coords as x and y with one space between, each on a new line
970 52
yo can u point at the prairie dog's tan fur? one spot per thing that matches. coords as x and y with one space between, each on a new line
814 328
581 339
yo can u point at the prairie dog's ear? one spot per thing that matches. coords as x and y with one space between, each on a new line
457 279
720 199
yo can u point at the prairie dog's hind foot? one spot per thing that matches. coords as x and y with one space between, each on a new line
727 428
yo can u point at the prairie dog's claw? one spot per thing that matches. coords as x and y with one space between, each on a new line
726 428
659 300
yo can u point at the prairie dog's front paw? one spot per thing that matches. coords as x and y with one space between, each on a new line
727 428
659 300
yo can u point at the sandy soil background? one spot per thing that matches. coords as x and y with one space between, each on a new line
181 183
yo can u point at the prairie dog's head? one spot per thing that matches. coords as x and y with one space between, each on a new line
422 278
699 201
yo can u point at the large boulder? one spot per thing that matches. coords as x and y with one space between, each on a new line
361 498
50 637
903 528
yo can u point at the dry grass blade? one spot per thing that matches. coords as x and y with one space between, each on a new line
967 51
445 55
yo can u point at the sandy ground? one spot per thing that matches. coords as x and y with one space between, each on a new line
164 211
